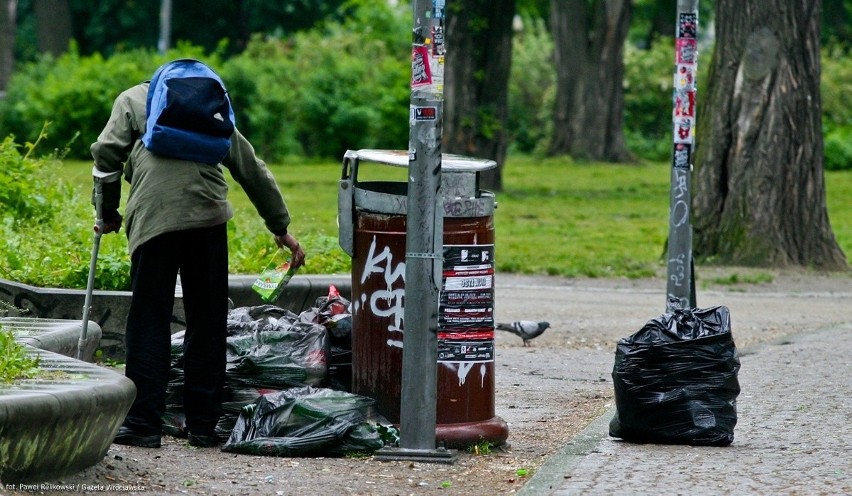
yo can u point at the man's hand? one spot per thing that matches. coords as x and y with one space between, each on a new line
112 222
297 258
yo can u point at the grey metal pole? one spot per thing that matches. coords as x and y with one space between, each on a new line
424 232
680 289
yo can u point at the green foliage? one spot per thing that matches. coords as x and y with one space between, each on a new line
532 86
482 448
14 361
46 227
112 26
341 86
23 186
838 148
836 28
836 94
648 76
75 94
344 84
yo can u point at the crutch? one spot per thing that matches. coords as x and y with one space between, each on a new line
99 178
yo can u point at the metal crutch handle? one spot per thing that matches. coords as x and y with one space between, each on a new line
99 178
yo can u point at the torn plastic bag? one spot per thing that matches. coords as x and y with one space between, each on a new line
305 422
333 313
676 380
269 347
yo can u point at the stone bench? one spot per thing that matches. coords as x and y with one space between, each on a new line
62 422
56 335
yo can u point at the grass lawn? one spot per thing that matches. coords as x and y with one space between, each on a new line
553 217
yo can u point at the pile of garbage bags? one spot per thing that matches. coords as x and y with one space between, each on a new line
675 380
287 384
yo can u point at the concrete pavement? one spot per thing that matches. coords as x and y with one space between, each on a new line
793 434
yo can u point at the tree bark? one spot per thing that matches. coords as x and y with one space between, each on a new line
760 193
8 22
589 57
53 19
476 82
164 41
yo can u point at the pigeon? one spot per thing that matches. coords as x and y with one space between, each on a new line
526 329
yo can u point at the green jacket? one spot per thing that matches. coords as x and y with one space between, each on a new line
169 194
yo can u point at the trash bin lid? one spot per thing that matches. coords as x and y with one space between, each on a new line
449 162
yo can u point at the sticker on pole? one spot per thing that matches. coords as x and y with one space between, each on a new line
421 74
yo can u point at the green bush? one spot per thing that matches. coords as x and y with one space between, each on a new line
75 94
648 76
341 85
46 226
838 148
345 84
22 187
532 87
836 94
321 92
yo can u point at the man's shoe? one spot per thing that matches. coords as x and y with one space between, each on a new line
202 441
129 437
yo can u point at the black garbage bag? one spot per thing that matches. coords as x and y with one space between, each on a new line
305 421
333 313
676 380
174 420
269 349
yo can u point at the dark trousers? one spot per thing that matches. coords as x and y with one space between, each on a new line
201 256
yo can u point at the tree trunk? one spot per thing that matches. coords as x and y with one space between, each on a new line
589 56
760 192
8 21
476 78
164 42
53 19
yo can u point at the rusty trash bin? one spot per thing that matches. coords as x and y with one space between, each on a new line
372 230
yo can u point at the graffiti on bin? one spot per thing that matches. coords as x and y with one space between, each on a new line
385 302
462 369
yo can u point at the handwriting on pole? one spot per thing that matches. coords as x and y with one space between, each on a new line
680 208
677 269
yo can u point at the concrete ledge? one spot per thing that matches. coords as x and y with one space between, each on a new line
300 294
109 308
57 426
56 335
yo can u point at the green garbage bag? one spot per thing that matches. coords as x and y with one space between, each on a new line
305 421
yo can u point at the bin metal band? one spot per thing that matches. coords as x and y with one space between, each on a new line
424 255
395 204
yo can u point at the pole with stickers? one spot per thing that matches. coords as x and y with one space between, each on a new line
424 242
680 289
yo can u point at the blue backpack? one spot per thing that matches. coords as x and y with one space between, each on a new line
189 113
